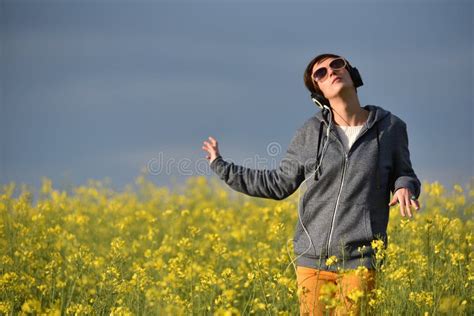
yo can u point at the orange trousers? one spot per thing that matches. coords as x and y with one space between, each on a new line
316 286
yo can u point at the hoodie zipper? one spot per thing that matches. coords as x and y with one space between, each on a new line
337 202
346 156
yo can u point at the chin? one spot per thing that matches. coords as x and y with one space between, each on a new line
342 87
337 91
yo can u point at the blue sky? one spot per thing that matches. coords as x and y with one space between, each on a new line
102 89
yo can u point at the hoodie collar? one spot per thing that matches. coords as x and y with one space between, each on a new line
376 113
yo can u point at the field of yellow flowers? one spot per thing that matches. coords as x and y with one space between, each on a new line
204 249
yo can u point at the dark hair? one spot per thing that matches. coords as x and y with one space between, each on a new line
310 84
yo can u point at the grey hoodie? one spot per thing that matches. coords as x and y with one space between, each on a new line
345 205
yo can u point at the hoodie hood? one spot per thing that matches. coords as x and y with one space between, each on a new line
376 113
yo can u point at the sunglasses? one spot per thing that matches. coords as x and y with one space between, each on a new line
320 74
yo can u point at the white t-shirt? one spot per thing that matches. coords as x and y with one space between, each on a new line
348 134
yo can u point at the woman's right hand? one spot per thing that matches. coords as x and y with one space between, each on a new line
212 149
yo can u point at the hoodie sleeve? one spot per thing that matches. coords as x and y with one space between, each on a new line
274 184
404 176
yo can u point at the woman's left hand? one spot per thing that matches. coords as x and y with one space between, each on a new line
403 195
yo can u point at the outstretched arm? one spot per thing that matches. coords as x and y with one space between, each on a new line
274 184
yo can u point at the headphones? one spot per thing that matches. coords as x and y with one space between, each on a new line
355 75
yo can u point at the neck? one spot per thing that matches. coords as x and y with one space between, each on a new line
347 110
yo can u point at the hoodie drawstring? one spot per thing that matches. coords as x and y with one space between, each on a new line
317 153
378 156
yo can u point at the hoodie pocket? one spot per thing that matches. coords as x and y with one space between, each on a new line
368 223
303 212
351 229
316 219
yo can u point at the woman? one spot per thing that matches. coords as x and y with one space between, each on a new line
349 159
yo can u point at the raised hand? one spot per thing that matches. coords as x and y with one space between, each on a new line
212 149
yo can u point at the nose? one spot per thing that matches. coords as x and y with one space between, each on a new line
333 72
336 73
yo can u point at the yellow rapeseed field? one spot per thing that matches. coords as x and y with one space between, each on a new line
202 249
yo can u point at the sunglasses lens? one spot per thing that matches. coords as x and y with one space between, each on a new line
337 63
319 74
